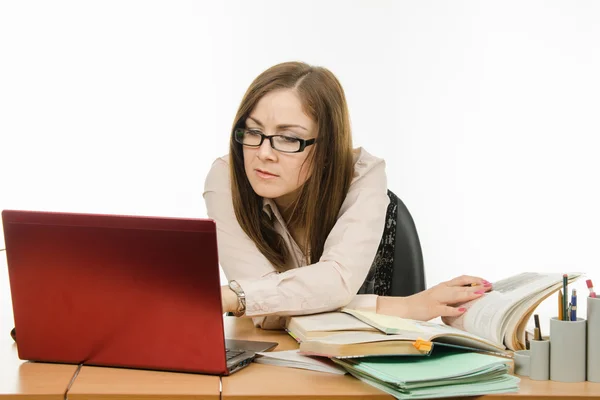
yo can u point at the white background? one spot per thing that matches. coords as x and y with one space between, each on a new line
486 112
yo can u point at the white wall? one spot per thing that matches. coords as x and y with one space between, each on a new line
486 112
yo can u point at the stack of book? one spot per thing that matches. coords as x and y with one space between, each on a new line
445 373
405 358
415 359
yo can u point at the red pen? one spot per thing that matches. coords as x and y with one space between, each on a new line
591 288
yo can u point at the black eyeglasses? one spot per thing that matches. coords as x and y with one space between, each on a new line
283 143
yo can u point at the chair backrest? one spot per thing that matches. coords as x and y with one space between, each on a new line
397 268
409 271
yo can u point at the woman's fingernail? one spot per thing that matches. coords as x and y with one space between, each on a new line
488 285
480 292
484 281
462 309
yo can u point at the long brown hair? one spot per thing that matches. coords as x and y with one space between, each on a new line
320 198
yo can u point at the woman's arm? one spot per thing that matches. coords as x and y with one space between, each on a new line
333 281
324 286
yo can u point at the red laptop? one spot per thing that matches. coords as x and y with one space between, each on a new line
122 291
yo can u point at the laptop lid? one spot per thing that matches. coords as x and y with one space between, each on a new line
129 291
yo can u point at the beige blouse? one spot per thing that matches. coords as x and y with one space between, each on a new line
327 285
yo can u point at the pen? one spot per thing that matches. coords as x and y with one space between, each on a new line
574 305
560 305
590 287
565 294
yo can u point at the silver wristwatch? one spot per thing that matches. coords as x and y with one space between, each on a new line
237 289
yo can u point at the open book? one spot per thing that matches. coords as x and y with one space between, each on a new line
392 336
501 315
492 323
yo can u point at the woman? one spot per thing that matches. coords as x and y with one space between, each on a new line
299 213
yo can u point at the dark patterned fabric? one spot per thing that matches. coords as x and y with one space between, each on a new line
379 278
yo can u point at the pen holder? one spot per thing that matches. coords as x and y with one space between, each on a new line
522 362
567 350
539 363
593 339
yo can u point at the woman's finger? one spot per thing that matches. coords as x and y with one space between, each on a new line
447 311
467 280
472 289
462 295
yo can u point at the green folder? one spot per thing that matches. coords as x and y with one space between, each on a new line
505 384
445 373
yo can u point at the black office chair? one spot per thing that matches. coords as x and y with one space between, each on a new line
397 269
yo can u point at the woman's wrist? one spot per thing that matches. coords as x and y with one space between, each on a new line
391 305
229 300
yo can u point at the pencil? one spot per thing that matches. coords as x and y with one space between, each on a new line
538 330
560 305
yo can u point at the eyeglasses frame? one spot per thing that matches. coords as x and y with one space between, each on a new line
303 142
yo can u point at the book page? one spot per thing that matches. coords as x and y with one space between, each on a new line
293 359
366 337
483 317
385 323
515 327
331 321
423 329
496 314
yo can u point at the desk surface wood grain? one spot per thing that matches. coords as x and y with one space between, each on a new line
99 383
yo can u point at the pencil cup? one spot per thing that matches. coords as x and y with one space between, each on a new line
539 363
593 339
567 350
522 362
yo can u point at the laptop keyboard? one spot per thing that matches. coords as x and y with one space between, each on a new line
229 354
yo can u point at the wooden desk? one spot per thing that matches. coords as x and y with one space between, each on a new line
538 390
39 381
21 379
260 380
96 383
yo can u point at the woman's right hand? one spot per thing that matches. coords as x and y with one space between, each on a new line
438 301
